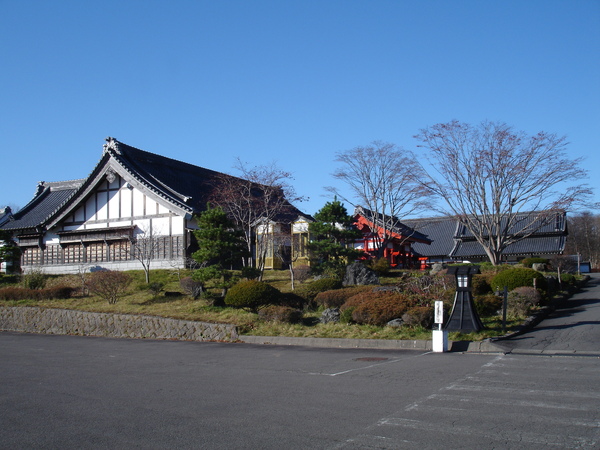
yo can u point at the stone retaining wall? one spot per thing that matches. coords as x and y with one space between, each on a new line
62 321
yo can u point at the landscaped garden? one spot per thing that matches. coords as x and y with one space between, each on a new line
399 307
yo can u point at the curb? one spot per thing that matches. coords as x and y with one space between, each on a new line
382 344
378 344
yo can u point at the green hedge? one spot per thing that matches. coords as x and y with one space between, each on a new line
517 277
252 294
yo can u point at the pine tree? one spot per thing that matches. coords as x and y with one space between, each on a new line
332 238
221 247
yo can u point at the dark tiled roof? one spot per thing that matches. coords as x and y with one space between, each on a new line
397 227
544 222
534 245
47 200
5 215
181 182
440 230
186 184
450 239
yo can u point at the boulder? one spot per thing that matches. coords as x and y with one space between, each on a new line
395 323
330 315
359 274
438 267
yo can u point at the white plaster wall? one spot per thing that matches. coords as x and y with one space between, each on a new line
138 203
300 227
61 269
126 195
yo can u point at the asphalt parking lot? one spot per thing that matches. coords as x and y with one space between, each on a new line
82 392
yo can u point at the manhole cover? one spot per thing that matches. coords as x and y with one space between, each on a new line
371 358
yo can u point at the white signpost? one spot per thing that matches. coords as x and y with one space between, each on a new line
440 337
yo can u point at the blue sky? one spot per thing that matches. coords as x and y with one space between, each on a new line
294 82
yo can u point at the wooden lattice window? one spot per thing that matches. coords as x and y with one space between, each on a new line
120 251
73 253
53 254
31 256
96 252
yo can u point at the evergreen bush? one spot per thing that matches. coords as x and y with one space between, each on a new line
381 266
567 278
292 300
252 294
480 284
34 279
529 262
519 276
310 291
487 304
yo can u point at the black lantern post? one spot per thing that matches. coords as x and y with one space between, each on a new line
464 317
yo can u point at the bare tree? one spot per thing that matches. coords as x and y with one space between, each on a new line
501 184
257 198
144 247
109 284
384 179
584 237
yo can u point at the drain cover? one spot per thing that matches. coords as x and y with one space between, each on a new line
371 358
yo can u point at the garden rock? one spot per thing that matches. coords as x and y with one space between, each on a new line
359 274
438 267
540 267
395 323
330 315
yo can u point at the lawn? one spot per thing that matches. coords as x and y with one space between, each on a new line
170 302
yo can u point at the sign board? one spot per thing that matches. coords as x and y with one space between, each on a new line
439 312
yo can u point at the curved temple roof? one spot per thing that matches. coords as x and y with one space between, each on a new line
184 186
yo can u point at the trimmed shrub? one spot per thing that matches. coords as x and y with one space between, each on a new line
8 279
522 299
567 278
481 284
381 266
58 292
251 294
419 316
529 262
488 304
16 293
292 300
377 308
280 313
310 291
517 277
251 273
337 297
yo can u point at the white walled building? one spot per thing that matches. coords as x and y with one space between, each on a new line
130 196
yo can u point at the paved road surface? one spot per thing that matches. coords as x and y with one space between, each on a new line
573 328
63 392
